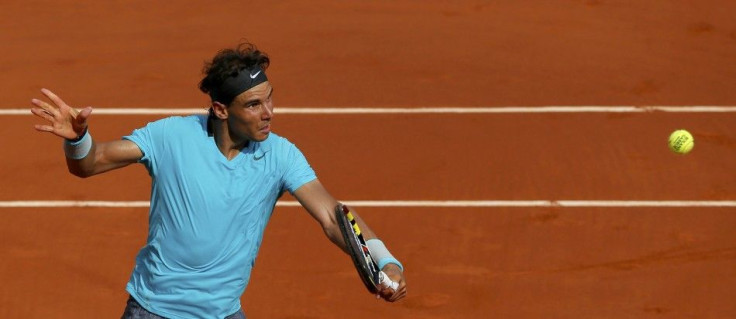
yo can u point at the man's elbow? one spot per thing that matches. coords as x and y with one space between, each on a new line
78 172
329 227
332 231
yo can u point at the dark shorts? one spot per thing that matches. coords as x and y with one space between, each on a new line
134 310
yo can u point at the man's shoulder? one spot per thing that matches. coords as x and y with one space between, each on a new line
275 141
196 119
182 122
274 138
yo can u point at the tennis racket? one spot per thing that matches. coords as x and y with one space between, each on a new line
372 277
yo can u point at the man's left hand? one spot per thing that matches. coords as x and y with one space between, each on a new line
394 273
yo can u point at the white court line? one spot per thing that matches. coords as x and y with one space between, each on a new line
418 110
461 203
421 110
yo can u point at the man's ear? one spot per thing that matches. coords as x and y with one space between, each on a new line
220 110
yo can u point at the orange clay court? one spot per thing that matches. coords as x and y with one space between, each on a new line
481 259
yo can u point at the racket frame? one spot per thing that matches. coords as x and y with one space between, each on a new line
360 254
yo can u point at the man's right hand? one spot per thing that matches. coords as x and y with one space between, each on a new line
64 121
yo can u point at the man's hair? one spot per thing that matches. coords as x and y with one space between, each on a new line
228 63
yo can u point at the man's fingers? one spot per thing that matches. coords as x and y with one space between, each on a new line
390 294
42 114
46 107
61 107
65 121
84 114
53 97
44 128
400 294
397 295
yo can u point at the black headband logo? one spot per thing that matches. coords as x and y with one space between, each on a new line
238 83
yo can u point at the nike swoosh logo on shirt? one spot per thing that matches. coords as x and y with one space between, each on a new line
258 158
253 76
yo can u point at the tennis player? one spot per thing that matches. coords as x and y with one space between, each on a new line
215 182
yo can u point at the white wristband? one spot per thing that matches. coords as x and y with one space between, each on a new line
78 149
381 254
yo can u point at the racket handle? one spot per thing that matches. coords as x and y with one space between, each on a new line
385 281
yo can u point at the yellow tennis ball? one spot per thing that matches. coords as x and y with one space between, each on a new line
681 141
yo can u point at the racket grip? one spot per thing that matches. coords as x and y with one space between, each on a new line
385 281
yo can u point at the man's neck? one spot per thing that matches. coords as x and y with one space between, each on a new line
225 142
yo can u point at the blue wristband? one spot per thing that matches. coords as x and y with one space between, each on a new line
389 260
381 254
78 148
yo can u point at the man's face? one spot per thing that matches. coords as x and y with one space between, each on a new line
250 114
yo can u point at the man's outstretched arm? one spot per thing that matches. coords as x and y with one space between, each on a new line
321 205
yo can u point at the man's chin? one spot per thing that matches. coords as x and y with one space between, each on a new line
261 137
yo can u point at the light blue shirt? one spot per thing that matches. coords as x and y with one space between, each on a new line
207 215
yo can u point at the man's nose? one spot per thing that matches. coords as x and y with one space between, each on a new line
267 110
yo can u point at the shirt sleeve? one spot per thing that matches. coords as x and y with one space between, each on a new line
148 139
298 171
